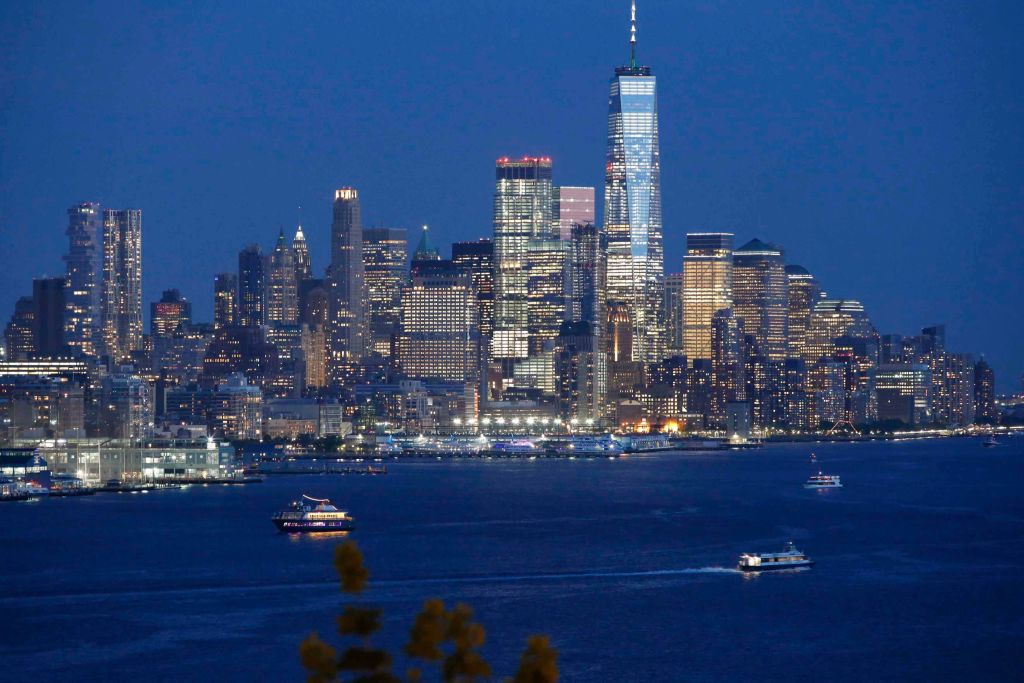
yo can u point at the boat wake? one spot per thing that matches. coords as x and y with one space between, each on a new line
207 590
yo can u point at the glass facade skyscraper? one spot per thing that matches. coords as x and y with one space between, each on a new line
632 204
385 256
522 213
760 295
122 283
82 295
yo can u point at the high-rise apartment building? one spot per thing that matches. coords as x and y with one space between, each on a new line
225 300
985 411
347 327
82 294
760 295
573 206
706 288
477 259
522 213
282 285
804 294
172 313
385 254
632 203
121 300
728 364
252 286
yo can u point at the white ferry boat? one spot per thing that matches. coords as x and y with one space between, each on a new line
790 558
519 447
823 481
311 515
590 445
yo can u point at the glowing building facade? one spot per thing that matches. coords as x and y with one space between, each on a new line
385 254
706 288
346 285
760 295
632 203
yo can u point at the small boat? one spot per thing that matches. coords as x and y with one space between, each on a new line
790 558
814 458
990 442
823 481
311 515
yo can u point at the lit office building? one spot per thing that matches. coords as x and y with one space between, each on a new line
82 298
831 319
522 212
225 300
347 327
546 283
252 286
282 285
804 294
706 288
760 296
632 209
121 294
477 259
904 392
171 313
439 338
573 206
385 254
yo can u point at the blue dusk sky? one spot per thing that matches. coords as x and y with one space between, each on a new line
879 143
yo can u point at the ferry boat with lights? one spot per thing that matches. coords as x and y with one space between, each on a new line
790 558
311 515
823 481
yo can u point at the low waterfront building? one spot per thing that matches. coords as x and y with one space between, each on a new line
99 460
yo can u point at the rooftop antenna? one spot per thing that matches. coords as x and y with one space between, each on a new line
632 35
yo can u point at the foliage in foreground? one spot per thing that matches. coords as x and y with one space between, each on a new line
441 639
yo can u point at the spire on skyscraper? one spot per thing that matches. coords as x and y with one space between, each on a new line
632 35
425 251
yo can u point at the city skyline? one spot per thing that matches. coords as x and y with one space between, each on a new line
842 264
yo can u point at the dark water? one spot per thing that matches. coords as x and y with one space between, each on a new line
627 564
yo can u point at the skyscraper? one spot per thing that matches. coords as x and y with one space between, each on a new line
804 294
760 296
282 285
632 202
300 254
707 288
121 302
385 254
439 338
985 411
48 317
728 364
82 294
522 212
672 314
573 206
347 291
168 315
225 300
252 286
19 334
477 259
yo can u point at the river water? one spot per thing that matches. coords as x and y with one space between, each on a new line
628 564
